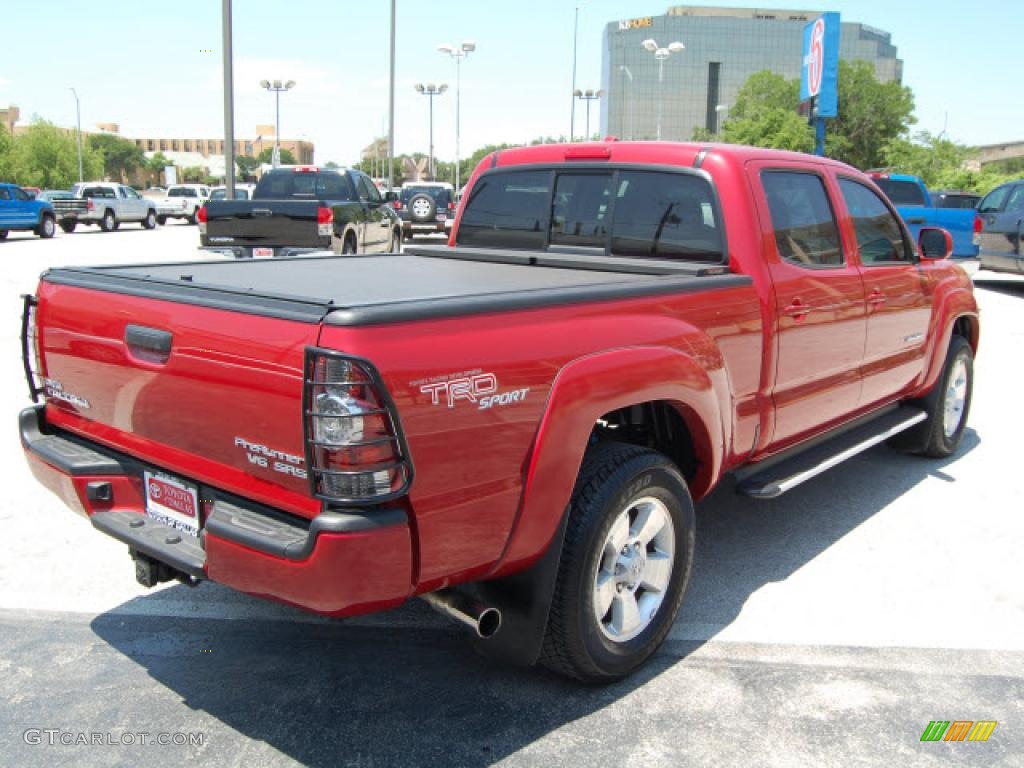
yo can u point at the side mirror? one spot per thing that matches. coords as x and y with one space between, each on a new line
390 197
934 243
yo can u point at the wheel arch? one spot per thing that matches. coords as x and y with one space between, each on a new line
661 387
956 314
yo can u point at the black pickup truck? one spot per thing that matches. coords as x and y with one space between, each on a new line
300 209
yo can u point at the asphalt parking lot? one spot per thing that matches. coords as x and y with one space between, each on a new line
824 628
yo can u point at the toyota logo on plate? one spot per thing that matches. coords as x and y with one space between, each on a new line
154 489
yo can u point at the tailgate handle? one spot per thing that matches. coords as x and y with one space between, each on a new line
149 344
261 212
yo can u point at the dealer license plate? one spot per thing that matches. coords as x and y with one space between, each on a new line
263 253
172 502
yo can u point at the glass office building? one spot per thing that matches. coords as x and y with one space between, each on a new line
724 46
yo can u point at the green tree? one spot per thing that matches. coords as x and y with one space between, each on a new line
765 115
332 165
193 174
6 150
871 114
944 164
287 158
247 165
120 156
156 165
47 156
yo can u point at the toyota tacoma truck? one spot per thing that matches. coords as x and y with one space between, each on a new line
19 210
303 209
914 203
514 426
182 201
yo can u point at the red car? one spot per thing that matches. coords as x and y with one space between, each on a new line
514 426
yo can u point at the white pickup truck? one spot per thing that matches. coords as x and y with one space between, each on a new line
182 201
109 204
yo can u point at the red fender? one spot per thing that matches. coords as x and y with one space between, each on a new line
585 390
954 303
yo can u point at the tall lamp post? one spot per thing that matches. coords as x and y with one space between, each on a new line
575 35
467 47
78 123
277 89
661 54
588 96
430 90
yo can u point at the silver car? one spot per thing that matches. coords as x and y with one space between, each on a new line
109 205
1002 218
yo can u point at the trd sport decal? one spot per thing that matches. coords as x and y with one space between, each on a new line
475 387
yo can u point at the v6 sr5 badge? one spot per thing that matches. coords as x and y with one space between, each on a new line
476 387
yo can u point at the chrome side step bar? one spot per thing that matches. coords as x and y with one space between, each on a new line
788 474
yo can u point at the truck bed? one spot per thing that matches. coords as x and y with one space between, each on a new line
419 284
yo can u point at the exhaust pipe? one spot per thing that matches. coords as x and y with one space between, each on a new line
485 620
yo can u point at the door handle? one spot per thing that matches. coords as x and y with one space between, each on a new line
797 310
876 298
916 220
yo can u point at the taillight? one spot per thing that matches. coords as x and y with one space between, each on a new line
978 224
396 204
30 357
201 218
89 205
354 445
324 221
451 206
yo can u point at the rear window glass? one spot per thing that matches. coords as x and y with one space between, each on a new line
182 192
302 186
955 201
632 213
901 192
93 192
508 210
221 194
666 215
440 194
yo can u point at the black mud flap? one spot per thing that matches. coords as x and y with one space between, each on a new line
524 600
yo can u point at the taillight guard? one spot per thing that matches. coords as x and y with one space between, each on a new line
355 450
30 347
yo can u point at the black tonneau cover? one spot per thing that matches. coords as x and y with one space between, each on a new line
419 284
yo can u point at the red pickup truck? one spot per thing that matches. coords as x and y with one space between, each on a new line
514 426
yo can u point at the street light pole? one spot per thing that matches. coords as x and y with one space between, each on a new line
661 54
588 96
575 31
78 123
277 88
719 109
391 102
430 90
229 102
467 47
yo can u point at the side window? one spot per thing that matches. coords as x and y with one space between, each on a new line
333 187
994 200
122 192
21 194
879 235
666 215
805 227
1016 201
580 211
130 193
367 191
5 193
507 209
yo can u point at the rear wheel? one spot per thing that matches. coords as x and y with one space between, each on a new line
161 220
625 564
349 244
68 226
109 222
150 221
3 234
47 228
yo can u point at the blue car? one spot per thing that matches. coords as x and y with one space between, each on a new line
19 210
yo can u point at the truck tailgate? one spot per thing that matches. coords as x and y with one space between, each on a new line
209 395
264 223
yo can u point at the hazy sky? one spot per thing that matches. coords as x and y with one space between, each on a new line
155 67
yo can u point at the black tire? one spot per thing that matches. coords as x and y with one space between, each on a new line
150 221
68 226
192 218
3 234
349 246
109 221
47 227
396 242
161 220
930 438
614 476
427 210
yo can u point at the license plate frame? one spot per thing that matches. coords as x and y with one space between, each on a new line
172 501
263 253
